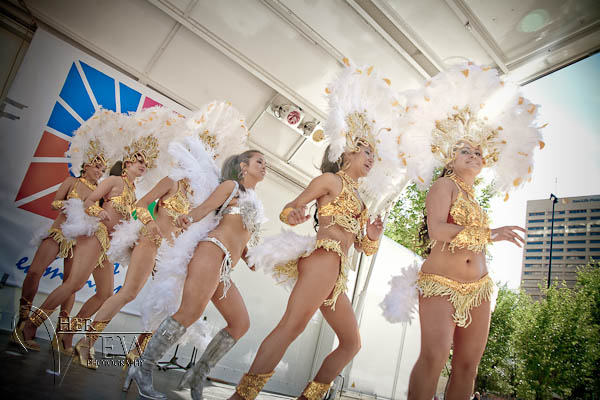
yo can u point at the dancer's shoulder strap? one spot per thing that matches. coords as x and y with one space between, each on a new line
231 196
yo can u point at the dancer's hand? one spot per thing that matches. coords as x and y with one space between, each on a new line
154 230
103 215
183 221
375 228
508 233
297 216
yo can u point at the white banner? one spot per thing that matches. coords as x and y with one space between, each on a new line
61 87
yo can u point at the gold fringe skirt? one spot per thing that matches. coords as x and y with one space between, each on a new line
65 245
104 239
290 269
463 296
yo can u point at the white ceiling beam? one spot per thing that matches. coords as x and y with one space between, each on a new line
386 36
237 56
483 37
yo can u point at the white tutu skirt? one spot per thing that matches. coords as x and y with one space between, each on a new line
40 234
162 294
401 302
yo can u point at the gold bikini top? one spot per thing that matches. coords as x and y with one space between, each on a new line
465 210
124 202
73 193
179 203
346 210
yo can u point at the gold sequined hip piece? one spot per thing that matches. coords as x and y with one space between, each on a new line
463 296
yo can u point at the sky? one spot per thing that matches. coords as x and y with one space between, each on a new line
569 164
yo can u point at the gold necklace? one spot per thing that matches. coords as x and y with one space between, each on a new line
87 183
469 190
131 185
346 178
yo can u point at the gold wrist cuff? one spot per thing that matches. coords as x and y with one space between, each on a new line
473 238
284 215
94 210
143 215
368 246
251 385
316 390
57 204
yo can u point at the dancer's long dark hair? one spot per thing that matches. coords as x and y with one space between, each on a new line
231 170
423 238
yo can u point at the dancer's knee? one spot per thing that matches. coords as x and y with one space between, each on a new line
239 327
464 369
351 343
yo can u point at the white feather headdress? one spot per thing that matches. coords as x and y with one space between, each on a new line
363 107
91 141
221 127
470 103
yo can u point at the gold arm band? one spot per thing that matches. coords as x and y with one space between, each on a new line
315 390
94 210
473 238
251 385
143 215
284 215
57 204
368 246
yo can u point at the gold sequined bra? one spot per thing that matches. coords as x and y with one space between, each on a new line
346 210
465 211
124 202
73 193
179 203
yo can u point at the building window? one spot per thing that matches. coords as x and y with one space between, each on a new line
571 250
536 228
557 220
533 214
595 226
578 219
576 241
533 257
534 250
533 221
535 235
557 250
595 233
595 249
554 257
575 257
556 242
594 241
595 210
575 227
538 242
576 234
577 211
562 234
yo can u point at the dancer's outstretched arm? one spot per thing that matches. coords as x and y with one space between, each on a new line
213 202
318 187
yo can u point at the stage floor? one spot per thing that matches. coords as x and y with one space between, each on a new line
29 375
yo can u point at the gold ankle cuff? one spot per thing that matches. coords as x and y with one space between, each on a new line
95 330
38 316
251 385
315 390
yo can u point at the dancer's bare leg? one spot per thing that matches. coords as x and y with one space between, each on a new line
200 284
343 322
43 257
469 344
233 309
437 329
84 262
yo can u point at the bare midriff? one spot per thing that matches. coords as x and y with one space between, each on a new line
335 232
461 265
232 234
